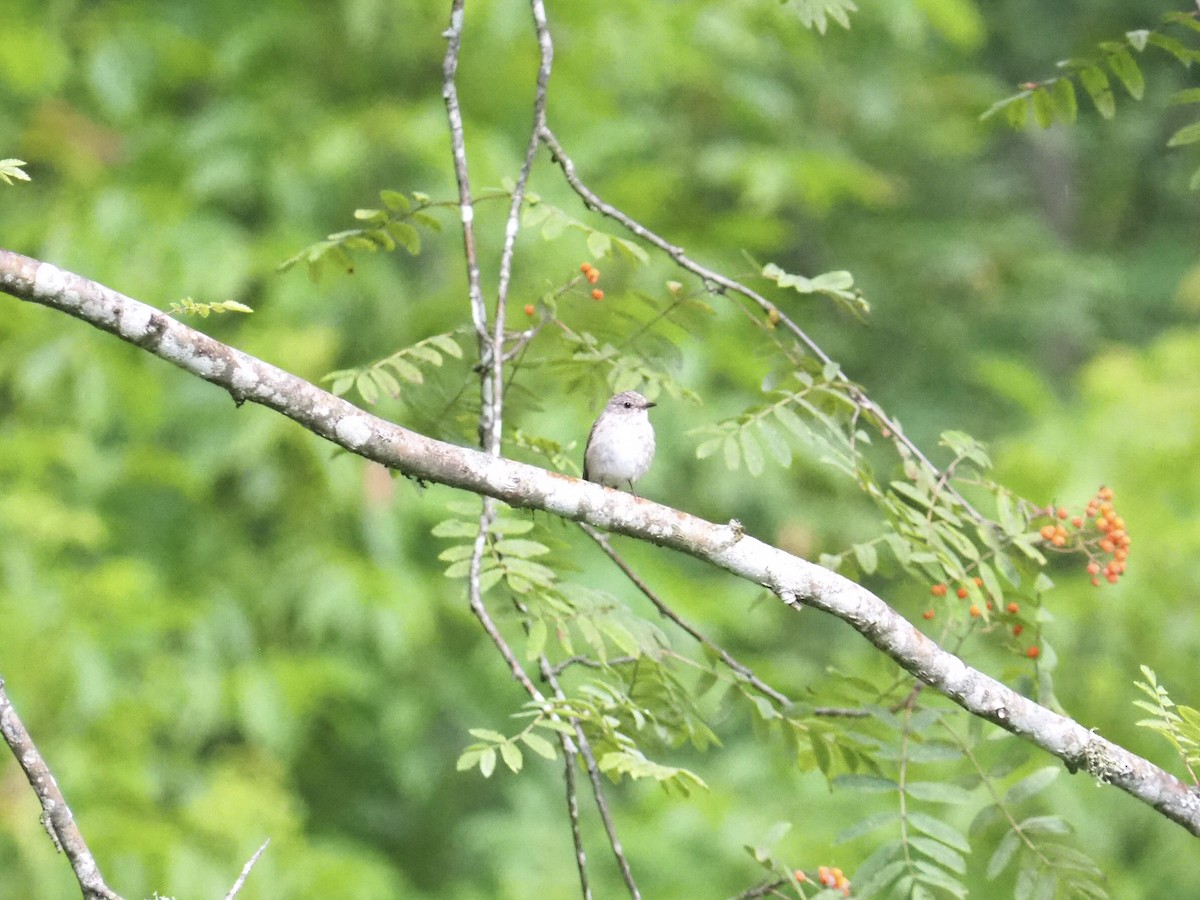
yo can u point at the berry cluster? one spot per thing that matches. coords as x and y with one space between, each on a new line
974 591
1100 534
828 877
592 274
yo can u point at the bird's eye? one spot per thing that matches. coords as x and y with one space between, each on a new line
628 405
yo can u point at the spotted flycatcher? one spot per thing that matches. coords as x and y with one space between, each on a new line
621 443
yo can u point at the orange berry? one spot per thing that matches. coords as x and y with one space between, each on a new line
593 276
962 593
1102 524
1062 512
1013 608
1093 567
799 875
928 614
1120 553
991 605
1059 540
1047 532
585 267
529 309
978 581
1077 521
1107 546
1033 652
597 295
1017 629
1112 577
974 611
1105 493
938 590
1095 582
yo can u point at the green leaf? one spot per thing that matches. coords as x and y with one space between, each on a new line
1188 134
539 745
468 759
487 762
940 853
365 385
776 833
939 831
599 244
871 784
1137 39
751 452
1065 105
1016 111
1125 67
866 826
937 792
1043 108
1095 82
732 453
866 557
535 641
387 383
1003 855
486 734
520 548
792 422
455 528
1030 785
447 345
405 369
775 442
1045 825
1174 47
513 758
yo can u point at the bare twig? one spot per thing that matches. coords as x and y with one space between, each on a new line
573 815
56 815
466 205
597 779
241 879
743 671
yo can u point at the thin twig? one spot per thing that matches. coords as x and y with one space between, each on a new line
466 204
588 662
597 779
743 671
56 815
766 889
718 283
241 879
573 815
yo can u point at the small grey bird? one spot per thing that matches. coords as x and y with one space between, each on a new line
620 445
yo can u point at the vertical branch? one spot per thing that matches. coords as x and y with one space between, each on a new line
56 815
491 410
466 204
513 223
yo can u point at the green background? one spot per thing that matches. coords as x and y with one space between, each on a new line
218 629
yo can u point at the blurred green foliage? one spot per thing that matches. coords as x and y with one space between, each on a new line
219 630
